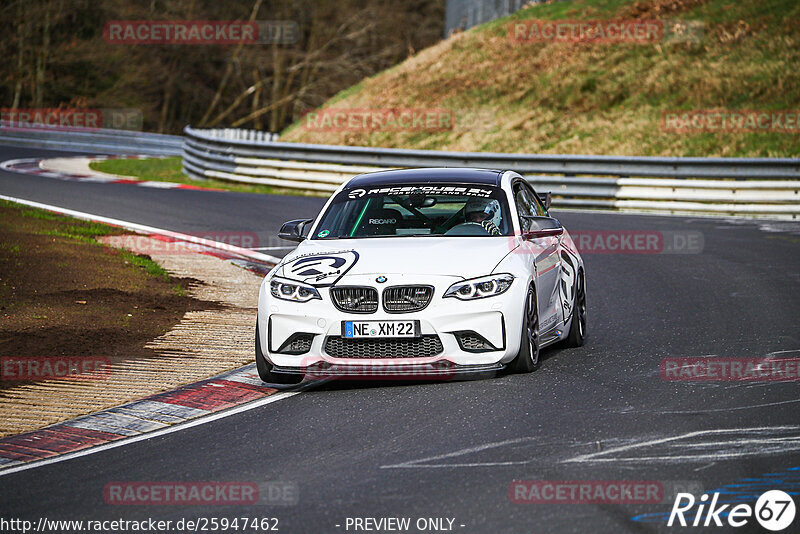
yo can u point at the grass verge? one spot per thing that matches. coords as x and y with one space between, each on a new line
170 170
62 293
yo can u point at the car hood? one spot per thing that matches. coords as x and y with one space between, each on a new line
323 262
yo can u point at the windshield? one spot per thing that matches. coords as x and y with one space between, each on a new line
416 210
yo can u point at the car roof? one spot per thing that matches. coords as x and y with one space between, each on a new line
430 175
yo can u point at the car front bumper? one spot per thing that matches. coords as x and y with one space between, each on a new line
497 320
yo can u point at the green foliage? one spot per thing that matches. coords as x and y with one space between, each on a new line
171 170
144 262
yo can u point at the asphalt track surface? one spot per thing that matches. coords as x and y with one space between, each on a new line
422 450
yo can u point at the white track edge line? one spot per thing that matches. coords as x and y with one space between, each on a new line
141 228
203 419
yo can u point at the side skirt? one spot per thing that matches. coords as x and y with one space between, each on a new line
551 336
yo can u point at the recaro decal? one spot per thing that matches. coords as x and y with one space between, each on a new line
321 269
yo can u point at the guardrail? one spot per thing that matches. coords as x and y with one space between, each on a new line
732 186
727 186
94 140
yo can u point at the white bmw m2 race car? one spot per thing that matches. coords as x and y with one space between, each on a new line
421 273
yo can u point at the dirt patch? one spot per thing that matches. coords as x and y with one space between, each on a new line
64 294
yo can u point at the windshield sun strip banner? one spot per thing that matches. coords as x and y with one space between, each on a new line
456 190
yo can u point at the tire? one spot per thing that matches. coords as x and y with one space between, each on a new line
577 330
527 359
265 368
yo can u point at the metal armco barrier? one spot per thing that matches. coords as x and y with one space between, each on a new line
724 186
94 140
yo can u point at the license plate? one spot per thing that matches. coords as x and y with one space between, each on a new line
360 329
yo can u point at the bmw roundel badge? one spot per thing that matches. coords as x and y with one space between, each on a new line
380 279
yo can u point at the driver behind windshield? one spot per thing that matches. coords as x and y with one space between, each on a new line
484 212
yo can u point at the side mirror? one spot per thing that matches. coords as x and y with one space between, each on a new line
542 227
293 230
546 199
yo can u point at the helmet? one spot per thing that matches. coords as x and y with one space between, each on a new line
487 206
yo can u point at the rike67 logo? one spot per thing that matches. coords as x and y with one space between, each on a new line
774 510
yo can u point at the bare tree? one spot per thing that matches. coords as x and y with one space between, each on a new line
58 57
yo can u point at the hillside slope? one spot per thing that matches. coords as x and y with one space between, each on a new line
588 97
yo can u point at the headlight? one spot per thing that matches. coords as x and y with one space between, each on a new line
478 288
294 291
